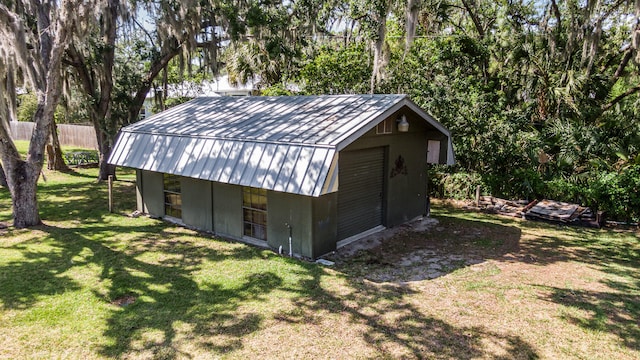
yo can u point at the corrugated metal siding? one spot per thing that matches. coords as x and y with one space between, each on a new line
361 191
287 144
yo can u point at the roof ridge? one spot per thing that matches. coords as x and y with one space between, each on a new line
213 137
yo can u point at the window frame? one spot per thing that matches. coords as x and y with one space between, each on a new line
254 213
385 127
172 208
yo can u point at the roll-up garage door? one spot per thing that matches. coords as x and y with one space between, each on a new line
360 191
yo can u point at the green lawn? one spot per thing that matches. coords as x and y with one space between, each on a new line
89 284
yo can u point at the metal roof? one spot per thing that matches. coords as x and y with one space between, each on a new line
285 143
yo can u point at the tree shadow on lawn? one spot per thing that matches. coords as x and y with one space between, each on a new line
153 303
587 245
37 275
78 199
157 295
397 328
613 252
5 205
481 237
84 201
616 254
73 171
602 311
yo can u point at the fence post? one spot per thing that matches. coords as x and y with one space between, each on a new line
478 196
110 193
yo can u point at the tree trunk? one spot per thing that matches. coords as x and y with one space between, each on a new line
55 160
23 194
3 178
44 73
21 179
104 149
106 169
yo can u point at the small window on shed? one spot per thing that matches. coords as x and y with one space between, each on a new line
172 196
433 152
254 212
385 127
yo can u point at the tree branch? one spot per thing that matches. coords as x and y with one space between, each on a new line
613 8
154 70
77 61
620 97
145 31
556 13
623 64
13 30
474 18
53 80
108 56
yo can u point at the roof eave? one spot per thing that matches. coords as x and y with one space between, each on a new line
353 136
404 101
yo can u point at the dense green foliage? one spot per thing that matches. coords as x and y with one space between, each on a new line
339 70
541 97
28 103
68 112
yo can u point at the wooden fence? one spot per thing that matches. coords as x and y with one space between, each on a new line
81 136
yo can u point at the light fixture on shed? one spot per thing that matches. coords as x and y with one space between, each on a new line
403 124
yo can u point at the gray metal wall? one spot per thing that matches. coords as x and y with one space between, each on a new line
406 196
405 176
325 224
139 201
196 198
361 201
217 207
197 205
295 210
152 193
227 210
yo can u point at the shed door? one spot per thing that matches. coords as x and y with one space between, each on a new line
360 191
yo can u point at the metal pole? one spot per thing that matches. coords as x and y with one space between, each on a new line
110 193
290 235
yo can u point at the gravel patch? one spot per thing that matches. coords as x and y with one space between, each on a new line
423 249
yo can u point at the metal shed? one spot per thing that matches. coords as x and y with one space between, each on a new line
327 168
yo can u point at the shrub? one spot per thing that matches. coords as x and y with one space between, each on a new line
524 184
615 193
567 190
28 105
515 184
277 90
618 193
460 185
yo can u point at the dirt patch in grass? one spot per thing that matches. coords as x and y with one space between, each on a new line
427 249
124 301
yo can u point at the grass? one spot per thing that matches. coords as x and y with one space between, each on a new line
90 284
